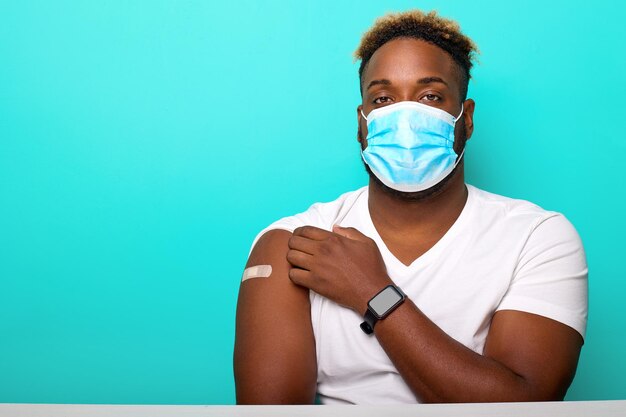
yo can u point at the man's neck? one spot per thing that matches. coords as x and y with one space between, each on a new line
393 215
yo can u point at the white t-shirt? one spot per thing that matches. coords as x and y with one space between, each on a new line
500 254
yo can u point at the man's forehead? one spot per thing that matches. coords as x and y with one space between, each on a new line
413 58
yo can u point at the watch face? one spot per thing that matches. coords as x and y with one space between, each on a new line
386 299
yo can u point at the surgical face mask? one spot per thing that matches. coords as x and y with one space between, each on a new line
410 145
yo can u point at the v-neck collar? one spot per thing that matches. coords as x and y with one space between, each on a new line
434 251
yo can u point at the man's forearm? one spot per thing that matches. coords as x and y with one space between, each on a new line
440 369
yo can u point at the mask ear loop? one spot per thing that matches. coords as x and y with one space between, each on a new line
458 159
456 119
463 151
362 114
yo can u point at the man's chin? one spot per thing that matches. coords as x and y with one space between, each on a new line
412 197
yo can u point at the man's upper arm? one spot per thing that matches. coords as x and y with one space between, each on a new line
274 358
540 350
538 329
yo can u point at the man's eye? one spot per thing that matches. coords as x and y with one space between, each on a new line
432 97
381 100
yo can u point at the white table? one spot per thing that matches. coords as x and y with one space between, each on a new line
548 409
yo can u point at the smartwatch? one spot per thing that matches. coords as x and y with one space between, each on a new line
381 305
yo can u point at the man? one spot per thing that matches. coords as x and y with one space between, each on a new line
418 287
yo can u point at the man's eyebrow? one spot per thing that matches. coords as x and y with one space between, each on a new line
425 80
429 80
382 81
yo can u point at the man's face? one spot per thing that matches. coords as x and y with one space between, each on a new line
407 69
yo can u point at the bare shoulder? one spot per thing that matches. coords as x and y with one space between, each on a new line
271 251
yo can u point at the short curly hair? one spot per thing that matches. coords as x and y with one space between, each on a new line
429 27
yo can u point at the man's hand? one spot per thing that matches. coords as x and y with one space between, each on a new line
343 265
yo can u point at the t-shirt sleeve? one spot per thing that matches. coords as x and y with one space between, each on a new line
551 275
322 215
288 223
291 223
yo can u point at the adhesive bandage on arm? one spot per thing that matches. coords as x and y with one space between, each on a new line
259 271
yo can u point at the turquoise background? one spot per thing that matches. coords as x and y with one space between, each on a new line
143 144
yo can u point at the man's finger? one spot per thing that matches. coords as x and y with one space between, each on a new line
312 232
299 276
299 259
303 244
350 233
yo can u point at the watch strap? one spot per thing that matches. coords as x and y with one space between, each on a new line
370 320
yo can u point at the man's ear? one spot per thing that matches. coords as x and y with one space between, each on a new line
468 116
359 120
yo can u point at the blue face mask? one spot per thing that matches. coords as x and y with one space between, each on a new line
409 145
